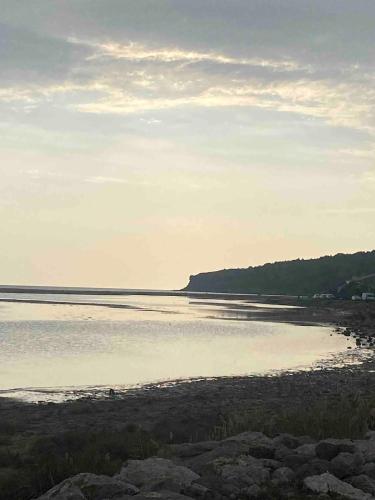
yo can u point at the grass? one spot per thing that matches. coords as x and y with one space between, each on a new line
51 459
345 417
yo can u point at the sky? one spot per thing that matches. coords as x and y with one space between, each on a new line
142 141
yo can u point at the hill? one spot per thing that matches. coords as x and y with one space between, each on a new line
294 277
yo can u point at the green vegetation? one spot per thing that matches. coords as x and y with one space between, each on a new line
29 469
348 416
295 277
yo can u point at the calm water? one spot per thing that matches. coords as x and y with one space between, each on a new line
52 351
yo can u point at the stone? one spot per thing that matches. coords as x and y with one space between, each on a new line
306 450
155 473
91 486
282 476
346 464
187 450
270 463
327 483
258 445
295 460
286 440
314 467
242 472
157 495
363 483
251 492
367 448
329 448
369 470
227 449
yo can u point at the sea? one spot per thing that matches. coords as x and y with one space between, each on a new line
76 343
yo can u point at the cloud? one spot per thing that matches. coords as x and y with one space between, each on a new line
111 71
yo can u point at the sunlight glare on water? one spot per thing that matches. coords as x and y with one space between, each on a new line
167 338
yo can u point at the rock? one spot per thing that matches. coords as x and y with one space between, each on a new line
187 450
155 473
346 464
91 486
369 470
157 495
329 448
269 463
286 440
312 468
282 452
370 435
226 449
258 445
242 472
252 492
367 448
197 490
327 483
363 483
306 450
295 460
282 476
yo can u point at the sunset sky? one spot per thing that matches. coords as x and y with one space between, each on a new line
144 141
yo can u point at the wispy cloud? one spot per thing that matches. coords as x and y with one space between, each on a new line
106 180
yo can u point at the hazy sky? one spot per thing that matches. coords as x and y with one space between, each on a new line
143 141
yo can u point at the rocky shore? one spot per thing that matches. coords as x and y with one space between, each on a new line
246 466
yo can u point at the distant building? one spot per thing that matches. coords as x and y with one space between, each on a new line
368 296
323 296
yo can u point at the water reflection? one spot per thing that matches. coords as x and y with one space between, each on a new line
126 341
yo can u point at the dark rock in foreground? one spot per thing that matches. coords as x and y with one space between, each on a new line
247 466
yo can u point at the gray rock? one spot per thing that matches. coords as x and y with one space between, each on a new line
282 476
187 450
91 486
370 435
327 483
306 450
258 445
329 448
242 472
363 483
157 495
281 452
156 474
369 470
226 449
367 448
315 467
346 464
287 440
269 463
251 492
295 460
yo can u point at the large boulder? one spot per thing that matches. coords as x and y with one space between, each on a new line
287 440
327 483
157 495
257 444
313 468
367 448
346 464
241 472
282 476
363 483
157 474
90 486
188 450
329 448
